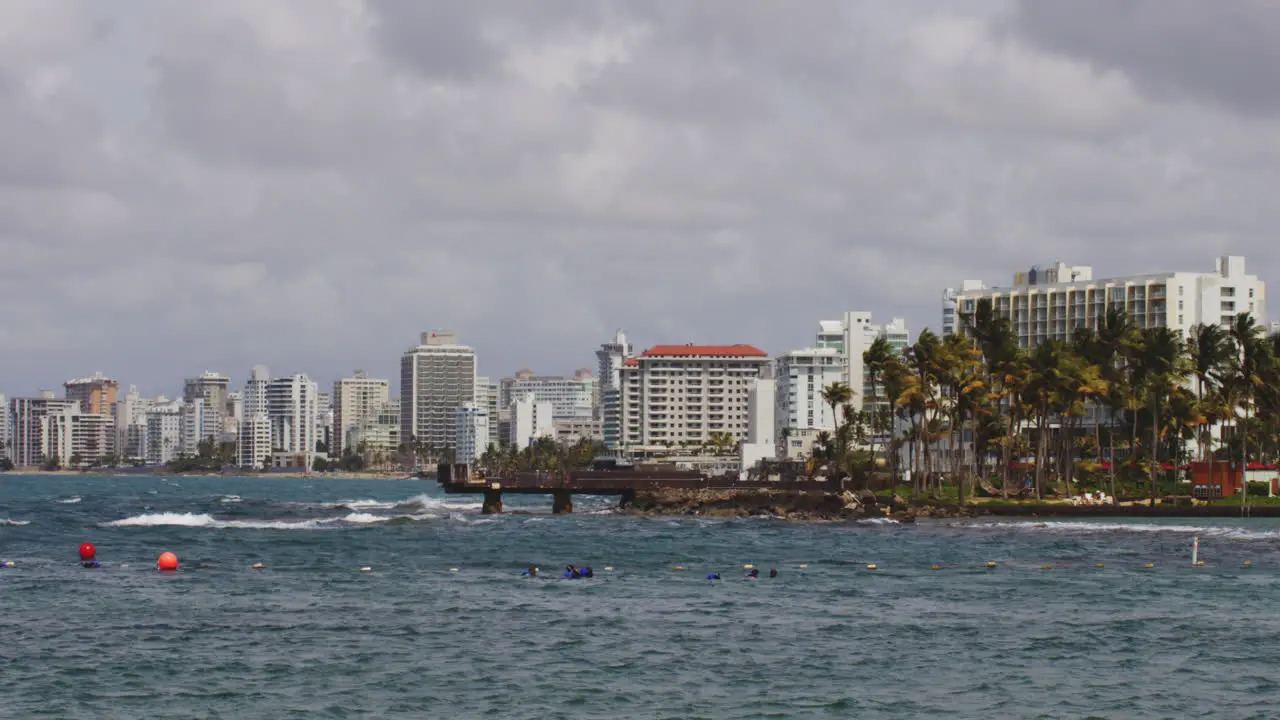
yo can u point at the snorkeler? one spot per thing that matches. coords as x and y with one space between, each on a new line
531 572
572 573
754 574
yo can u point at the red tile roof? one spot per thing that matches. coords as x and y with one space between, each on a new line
630 362
704 351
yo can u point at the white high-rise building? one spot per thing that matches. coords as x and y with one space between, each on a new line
802 376
291 408
193 419
852 336
571 398
682 394
950 320
254 400
531 421
355 399
5 450
29 427
1051 302
436 378
488 396
610 358
254 447
164 432
131 425
473 432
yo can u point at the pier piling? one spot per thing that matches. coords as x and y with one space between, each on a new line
492 502
562 502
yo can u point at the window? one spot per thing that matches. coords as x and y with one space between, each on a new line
1250 292
1179 319
1179 291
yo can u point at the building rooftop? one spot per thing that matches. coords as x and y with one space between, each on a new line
692 350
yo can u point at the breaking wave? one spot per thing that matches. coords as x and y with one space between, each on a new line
68 501
13 523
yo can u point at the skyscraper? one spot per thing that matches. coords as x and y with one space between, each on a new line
436 378
291 409
610 358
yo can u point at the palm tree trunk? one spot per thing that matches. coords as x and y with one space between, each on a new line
1111 461
1155 448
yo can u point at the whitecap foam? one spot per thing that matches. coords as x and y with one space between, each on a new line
359 518
878 521
204 520
1221 531
230 499
14 523
428 503
68 501
363 505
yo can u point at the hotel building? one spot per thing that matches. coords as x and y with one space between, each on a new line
96 395
1051 302
436 378
681 394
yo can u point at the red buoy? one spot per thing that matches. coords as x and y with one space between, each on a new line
167 561
88 551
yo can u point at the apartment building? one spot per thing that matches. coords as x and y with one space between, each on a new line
802 375
473 432
254 447
681 394
211 388
610 358
571 398
436 378
6 450
164 432
292 408
29 429
355 399
531 420
1051 302
96 395
852 335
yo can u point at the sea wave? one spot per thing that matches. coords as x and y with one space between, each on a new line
68 501
878 521
205 520
1220 531
14 523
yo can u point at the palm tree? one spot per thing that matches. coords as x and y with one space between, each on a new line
1210 352
876 359
1162 368
920 397
837 395
1248 379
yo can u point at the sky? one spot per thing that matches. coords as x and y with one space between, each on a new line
309 184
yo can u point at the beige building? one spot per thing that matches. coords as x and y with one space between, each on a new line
673 395
96 395
355 399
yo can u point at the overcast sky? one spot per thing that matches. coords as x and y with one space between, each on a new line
308 184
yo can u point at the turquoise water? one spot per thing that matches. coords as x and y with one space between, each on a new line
312 636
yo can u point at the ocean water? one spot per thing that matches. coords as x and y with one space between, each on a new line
312 636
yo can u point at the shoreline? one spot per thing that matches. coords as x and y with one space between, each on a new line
865 506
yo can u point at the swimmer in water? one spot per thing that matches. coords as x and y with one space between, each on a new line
531 572
587 573
753 574
773 572
571 573
713 576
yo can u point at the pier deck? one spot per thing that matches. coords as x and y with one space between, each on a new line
624 483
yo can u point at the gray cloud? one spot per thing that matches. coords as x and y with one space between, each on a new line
1224 52
308 185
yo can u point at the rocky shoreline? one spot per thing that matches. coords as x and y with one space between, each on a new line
864 505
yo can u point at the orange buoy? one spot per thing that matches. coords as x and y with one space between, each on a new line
167 561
